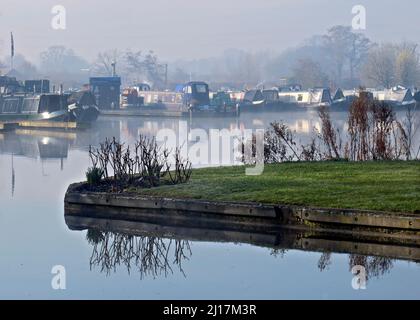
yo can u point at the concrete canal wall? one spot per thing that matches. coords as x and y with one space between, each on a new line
251 213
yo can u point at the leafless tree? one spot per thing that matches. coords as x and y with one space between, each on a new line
103 64
309 74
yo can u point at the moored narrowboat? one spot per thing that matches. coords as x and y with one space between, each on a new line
193 98
20 107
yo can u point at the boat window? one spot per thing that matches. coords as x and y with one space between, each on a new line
249 95
201 88
258 96
300 97
30 105
178 98
50 103
325 96
11 106
270 95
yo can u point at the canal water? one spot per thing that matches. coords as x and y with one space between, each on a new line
35 171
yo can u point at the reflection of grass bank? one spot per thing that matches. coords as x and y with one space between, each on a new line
387 186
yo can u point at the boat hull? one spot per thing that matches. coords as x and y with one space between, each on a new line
84 114
61 115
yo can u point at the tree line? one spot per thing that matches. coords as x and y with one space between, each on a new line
339 58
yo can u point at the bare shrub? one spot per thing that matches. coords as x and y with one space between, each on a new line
310 152
383 119
373 133
408 128
358 129
279 146
329 135
146 164
182 168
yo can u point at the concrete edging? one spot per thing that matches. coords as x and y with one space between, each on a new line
280 214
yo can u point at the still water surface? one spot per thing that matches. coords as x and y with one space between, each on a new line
35 171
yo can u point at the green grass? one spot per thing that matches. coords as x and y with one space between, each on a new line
386 186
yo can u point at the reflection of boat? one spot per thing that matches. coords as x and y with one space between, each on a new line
34 144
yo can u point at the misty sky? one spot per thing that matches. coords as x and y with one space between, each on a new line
194 28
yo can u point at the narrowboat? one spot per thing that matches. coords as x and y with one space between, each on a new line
340 101
193 98
31 100
78 107
396 97
275 100
313 98
253 100
20 107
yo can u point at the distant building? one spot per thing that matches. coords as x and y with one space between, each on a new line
106 91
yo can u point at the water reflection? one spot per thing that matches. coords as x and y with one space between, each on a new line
375 266
224 263
157 249
37 144
151 256
53 145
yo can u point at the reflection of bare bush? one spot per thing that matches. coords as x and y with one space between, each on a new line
278 252
375 266
151 255
324 261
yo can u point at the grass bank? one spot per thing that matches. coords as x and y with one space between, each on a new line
385 186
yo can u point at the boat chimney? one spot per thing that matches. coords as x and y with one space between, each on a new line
114 64
54 88
61 89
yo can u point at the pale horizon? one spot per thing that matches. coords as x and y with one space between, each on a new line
186 29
